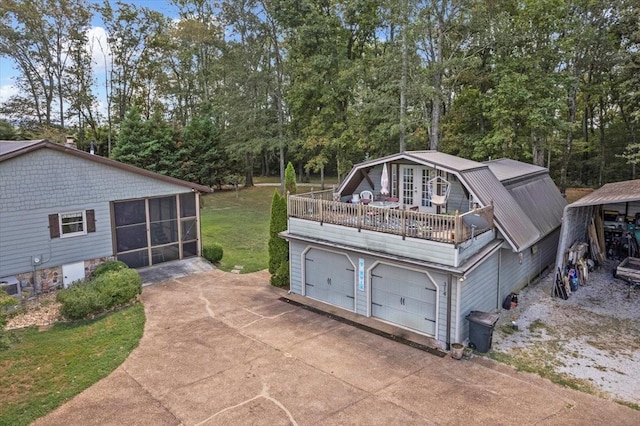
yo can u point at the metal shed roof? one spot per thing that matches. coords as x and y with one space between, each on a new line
577 215
617 192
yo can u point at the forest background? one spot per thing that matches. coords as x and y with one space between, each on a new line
222 90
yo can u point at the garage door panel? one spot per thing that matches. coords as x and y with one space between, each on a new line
330 277
404 297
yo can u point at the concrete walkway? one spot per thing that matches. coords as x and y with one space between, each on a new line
222 349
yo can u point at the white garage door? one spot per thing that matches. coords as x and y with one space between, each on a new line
404 297
330 277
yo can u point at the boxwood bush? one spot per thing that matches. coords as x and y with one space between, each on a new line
111 265
212 252
99 294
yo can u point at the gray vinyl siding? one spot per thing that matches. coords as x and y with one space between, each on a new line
26 234
47 178
295 266
429 251
441 280
457 200
478 293
45 182
515 275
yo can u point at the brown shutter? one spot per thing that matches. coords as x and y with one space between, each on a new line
91 220
54 227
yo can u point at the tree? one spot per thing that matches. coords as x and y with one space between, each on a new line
45 39
278 247
136 55
202 158
290 179
440 31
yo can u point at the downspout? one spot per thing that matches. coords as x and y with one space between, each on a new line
449 291
498 302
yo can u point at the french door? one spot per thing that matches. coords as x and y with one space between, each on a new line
414 187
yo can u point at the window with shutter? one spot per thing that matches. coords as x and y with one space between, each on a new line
70 224
54 226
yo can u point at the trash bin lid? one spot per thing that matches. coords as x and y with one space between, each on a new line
486 318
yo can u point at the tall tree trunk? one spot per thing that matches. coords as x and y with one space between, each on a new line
602 141
403 81
571 118
436 110
248 170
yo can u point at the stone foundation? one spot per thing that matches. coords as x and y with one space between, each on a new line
50 279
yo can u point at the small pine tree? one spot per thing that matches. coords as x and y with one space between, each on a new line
290 179
278 248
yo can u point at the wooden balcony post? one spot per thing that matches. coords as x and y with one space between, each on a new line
457 228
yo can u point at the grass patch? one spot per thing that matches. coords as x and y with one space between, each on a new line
508 329
239 222
328 180
631 405
538 361
44 369
538 326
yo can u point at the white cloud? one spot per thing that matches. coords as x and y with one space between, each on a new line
98 46
7 91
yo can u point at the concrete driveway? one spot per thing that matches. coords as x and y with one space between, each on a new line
222 349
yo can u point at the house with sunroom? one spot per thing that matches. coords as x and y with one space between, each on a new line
63 211
420 239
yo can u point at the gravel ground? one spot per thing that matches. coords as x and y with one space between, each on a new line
594 336
41 312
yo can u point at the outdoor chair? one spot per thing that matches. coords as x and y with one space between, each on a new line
366 195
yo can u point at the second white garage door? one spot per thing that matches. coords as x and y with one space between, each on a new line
404 297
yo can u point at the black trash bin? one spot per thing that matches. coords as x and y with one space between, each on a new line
481 329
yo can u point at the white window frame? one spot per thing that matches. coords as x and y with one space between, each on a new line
77 213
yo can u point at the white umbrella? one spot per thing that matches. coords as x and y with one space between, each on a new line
384 180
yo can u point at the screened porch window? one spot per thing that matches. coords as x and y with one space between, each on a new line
155 230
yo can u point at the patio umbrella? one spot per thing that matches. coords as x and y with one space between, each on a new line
384 180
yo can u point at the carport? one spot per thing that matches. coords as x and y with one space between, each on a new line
623 197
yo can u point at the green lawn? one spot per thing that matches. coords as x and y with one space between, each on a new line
328 180
239 222
43 369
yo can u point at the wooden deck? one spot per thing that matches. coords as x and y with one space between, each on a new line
446 228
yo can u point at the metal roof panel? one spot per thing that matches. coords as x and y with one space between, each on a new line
616 192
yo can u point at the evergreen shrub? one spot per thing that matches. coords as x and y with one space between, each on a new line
111 265
213 252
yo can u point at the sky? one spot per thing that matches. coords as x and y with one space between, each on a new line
96 35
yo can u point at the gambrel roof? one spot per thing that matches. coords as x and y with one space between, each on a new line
527 205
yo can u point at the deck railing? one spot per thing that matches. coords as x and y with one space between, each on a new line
448 228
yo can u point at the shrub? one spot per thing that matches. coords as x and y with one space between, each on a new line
281 277
111 265
5 302
109 289
278 247
80 300
212 252
290 179
119 287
